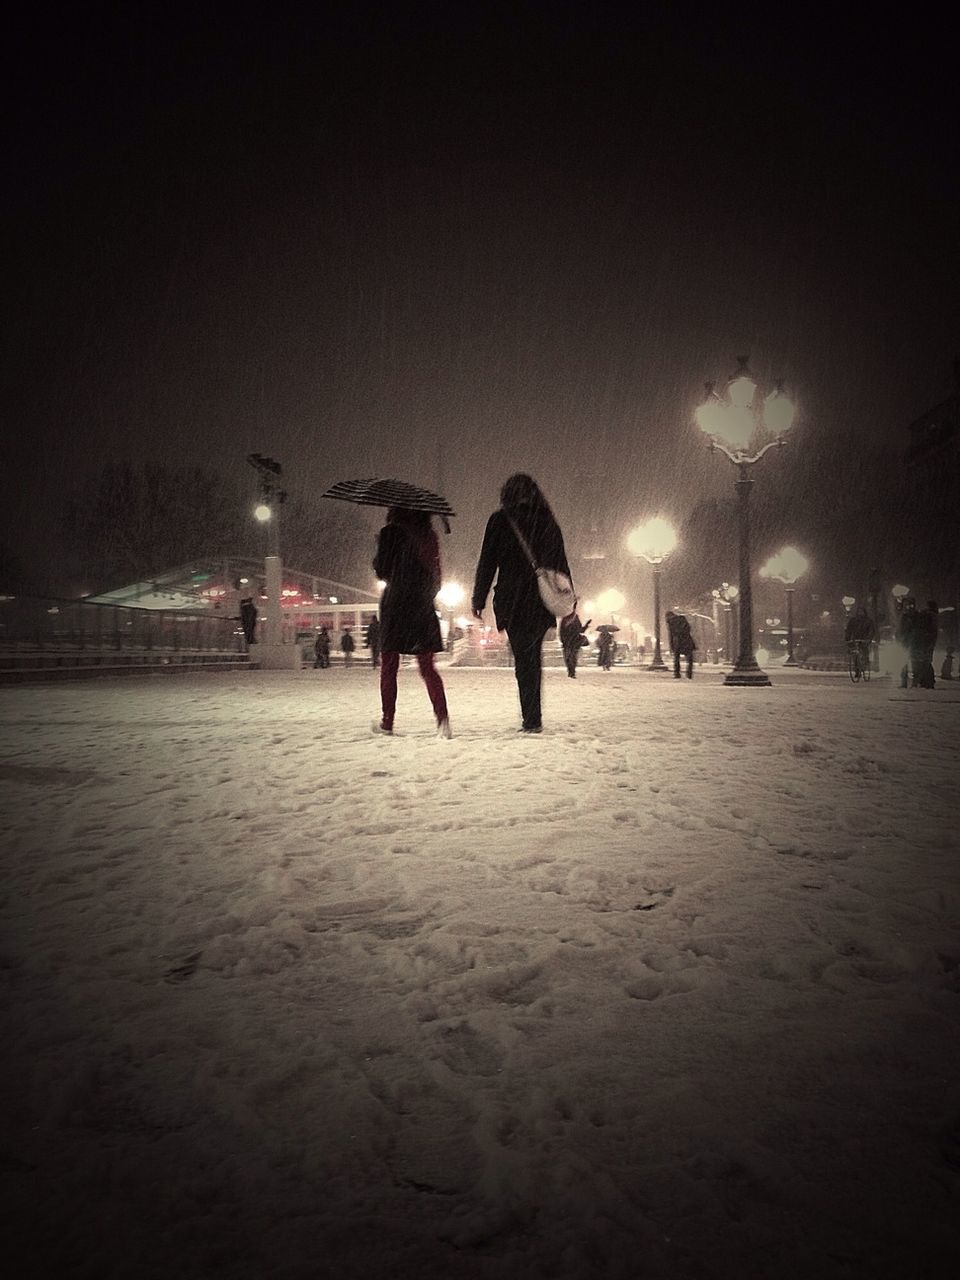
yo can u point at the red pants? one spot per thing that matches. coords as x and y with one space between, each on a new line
389 663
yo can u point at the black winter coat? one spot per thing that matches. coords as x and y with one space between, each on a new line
681 637
516 599
408 618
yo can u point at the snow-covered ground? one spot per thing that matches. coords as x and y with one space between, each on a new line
670 991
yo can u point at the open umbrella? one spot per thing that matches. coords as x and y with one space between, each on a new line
390 493
607 626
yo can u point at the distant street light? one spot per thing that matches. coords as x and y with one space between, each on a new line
734 425
727 593
450 595
653 541
610 602
267 511
787 567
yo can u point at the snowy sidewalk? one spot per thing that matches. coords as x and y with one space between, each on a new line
672 991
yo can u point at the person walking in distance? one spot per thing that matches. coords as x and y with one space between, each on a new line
408 561
347 646
606 646
572 640
517 606
248 619
372 640
908 639
861 632
927 631
682 644
321 649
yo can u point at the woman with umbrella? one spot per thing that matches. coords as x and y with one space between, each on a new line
606 645
408 561
516 599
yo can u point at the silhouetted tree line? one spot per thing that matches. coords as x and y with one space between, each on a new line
126 524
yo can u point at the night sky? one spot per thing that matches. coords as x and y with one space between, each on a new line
445 242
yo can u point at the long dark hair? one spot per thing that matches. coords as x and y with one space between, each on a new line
418 527
521 490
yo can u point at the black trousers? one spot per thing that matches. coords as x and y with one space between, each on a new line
676 663
527 647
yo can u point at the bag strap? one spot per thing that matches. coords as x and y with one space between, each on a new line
523 542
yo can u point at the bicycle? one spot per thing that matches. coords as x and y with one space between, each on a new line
858 660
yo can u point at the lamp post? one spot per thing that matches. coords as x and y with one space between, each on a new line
787 566
726 594
734 425
267 511
653 541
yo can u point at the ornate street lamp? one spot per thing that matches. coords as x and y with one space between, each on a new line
787 567
654 541
727 594
735 425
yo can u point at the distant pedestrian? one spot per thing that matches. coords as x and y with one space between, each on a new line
372 641
248 619
605 650
572 640
682 644
517 606
347 646
928 629
860 631
946 667
908 640
408 561
321 649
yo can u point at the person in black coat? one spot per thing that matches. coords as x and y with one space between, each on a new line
408 561
372 641
517 606
925 634
248 619
908 639
681 642
572 640
321 648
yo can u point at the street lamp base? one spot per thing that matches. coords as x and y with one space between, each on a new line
658 666
790 662
752 676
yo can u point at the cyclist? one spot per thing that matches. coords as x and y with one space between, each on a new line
859 634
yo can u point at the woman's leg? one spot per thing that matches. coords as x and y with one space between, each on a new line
527 648
431 678
389 662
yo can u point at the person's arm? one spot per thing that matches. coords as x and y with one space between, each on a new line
486 567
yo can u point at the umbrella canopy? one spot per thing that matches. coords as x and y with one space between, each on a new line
607 626
390 493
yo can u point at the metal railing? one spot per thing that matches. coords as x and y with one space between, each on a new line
41 624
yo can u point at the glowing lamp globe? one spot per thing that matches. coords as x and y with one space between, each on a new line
653 540
610 601
778 412
741 390
787 567
451 594
262 512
